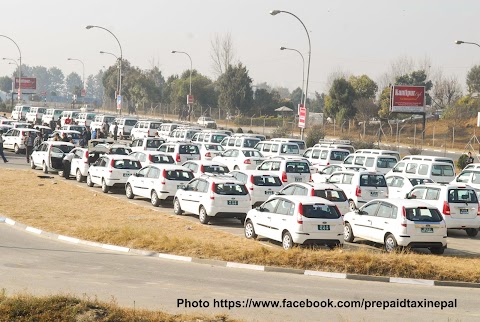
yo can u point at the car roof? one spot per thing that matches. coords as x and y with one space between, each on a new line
60 143
457 185
406 203
305 200
120 156
256 173
206 162
168 166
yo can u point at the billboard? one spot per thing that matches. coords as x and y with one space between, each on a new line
302 116
27 83
407 99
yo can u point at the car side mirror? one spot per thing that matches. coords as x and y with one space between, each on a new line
260 209
135 174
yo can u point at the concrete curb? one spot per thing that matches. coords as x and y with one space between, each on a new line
212 262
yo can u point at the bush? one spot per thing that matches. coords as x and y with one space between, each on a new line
281 132
462 161
363 145
415 150
250 131
313 135
239 130
231 130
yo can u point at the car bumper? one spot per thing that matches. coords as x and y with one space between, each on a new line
422 241
320 238
453 223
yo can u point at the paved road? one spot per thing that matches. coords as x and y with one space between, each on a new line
41 266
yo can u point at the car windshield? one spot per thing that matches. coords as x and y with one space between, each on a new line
217 138
298 167
252 153
442 170
269 181
179 175
62 148
215 169
332 195
213 147
386 163
320 211
338 155
127 164
290 149
423 214
417 181
161 159
154 144
155 126
462 196
120 151
189 149
250 143
230 189
372 180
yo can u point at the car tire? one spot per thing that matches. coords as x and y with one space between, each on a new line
351 205
154 199
203 216
105 188
437 250
177 210
250 230
44 168
348 233
287 241
79 176
16 149
471 232
129 191
32 164
390 244
89 180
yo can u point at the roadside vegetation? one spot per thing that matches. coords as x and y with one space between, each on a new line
56 206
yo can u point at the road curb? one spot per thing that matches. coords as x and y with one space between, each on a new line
220 263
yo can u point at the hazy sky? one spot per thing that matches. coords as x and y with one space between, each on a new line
358 37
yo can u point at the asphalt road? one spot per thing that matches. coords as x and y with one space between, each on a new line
41 266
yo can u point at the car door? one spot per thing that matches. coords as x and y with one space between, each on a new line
362 221
97 170
185 195
76 160
138 181
280 219
382 222
263 216
198 195
300 191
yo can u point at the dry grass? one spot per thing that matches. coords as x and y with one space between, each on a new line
68 308
66 209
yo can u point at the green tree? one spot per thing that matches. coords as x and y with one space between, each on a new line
318 103
384 103
339 105
5 84
296 96
235 89
364 86
73 84
473 79
56 82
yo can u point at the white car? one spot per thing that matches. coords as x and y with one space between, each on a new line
159 182
152 157
112 170
49 155
323 190
146 144
35 115
322 175
82 159
398 223
13 139
469 177
399 184
241 159
289 170
260 185
181 152
207 122
296 220
360 187
73 127
213 196
208 151
114 148
458 204
200 167
323 157
73 136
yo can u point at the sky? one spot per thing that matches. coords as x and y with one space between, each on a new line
352 36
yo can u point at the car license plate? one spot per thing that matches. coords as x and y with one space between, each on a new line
127 174
232 202
269 192
323 227
191 159
463 211
298 179
374 193
426 230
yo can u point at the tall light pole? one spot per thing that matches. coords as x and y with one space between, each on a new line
190 98
118 65
276 12
83 72
303 68
119 100
459 42
19 69
12 62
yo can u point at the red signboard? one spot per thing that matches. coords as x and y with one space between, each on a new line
27 83
84 92
302 116
189 99
407 99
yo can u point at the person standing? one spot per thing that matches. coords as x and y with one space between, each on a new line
94 134
28 141
470 159
1 148
52 124
38 140
68 120
67 165
115 131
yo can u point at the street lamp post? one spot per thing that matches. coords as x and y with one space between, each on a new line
303 68
83 72
118 66
19 68
119 101
190 99
276 12
12 62
459 42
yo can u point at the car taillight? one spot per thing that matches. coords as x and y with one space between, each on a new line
202 168
212 189
478 211
208 155
177 157
300 214
328 163
251 183
164 176
284 176
358 191
312 192
85 157
247 161
404 217
446 208
112 162
150 158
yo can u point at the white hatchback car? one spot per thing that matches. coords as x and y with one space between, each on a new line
146 144
240 159
458 204
399 184
181 152
208 151
13 139
112 170
159 182
82 158
49 155
261 185
296 220
398 222
213 196
152 157
200 167
289 170
322 175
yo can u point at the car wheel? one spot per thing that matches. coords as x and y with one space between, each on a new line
471 232
129 191
348 233
202 216
287 241
236 167
250 230
79 176
16 149
352 206
154 199
44 168
32 165
390 243
89 180
105 188
177 210
437 250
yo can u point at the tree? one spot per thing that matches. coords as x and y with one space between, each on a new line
73 84
56 81
5 84
222 53
340 102
473 79
282 91
464 108
417 78
318 103
366 109
234 89
384 103
296 96
446 91
364 86
265 102
95 86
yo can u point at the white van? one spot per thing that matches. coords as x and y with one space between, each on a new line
19 112
182 135
377 151
208 137
145 128
428 158
337 144
100 119
301 143
325 156
167 128
85 119
68 114
125 126
239 142
373 162
51 114
273 149
439 172
35 114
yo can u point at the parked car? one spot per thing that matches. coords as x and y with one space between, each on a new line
289 170
322 175
182 134
35 115
82 159
240 159
398 223
296 220
68 114
165 129
124 126
115 148
145 128
373 162
152 157
85 119
200 167
146 144
159 182
301 143
19 112
458 204
469 177
210 150
100 120
244 141
212 196
49 155
395 154
399 184
73 136
181 152
440 172
260 185
206 136
323 157
13 139
51 114
273 148
73 127
207 122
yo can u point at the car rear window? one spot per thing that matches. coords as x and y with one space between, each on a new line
386 163
253 153
154 143
213 147
372 180
155 126
298 167
63 148
338 155
215 169
162 159
442 170
120 151
189 149
250 143
127 164
217 138
418 181
290 149
179 175
267 181
130 122
332 195
230 189
423 214
462 196
320 211
300 144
